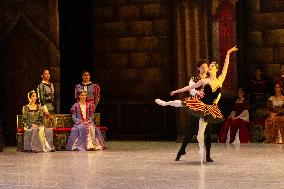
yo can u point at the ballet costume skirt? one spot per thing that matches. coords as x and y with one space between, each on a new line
205 107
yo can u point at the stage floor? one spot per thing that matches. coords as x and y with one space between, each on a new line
136 164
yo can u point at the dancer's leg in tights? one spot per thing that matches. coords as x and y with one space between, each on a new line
175 103
200 138
189 132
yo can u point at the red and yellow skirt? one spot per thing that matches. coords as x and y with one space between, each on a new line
210 113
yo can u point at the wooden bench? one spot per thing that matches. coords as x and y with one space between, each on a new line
61 124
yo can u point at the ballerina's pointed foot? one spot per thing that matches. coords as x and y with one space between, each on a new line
202 156
160 102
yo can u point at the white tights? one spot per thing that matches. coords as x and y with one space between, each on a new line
174 103
200 138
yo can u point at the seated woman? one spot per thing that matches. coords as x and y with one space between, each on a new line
37 138
84 135
237 120
274 127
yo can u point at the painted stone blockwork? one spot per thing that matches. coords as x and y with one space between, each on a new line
29 43
264 37
133 61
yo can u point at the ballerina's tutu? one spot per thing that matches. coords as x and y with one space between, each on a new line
210 113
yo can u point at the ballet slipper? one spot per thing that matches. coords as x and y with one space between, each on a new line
202 153
160 102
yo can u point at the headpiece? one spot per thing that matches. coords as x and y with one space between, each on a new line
82 91
29 93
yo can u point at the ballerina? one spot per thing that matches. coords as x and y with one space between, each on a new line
205 108
202 67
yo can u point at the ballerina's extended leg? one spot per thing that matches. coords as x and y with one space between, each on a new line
200 138
174 103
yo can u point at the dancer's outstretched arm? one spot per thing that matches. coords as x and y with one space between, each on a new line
200 83
187 88
222 77
192 91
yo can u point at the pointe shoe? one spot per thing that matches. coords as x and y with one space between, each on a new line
160 102
179 154
202 153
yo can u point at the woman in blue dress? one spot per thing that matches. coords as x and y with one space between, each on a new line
84 135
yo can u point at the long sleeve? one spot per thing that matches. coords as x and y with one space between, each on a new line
91 110
97 96
39 120
244 115
26 121
232 114
74 111
40 94
52 92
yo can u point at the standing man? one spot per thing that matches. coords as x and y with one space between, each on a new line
93 90
45 91
202 66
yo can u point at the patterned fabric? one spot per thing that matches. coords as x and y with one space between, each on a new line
274 127
209 112
257 131
61 125
60 140
38 138
275 106
45 92
32 116
84 135
205 107
240 106
237 120
93 92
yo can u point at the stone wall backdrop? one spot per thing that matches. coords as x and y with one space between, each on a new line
263 30
133 61
28 43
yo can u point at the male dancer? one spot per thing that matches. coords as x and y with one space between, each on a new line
45 91
203 68
93 90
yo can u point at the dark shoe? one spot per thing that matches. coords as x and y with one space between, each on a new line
208 159
179 154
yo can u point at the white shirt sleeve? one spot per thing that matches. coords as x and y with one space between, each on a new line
192 92
244 115
232 114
